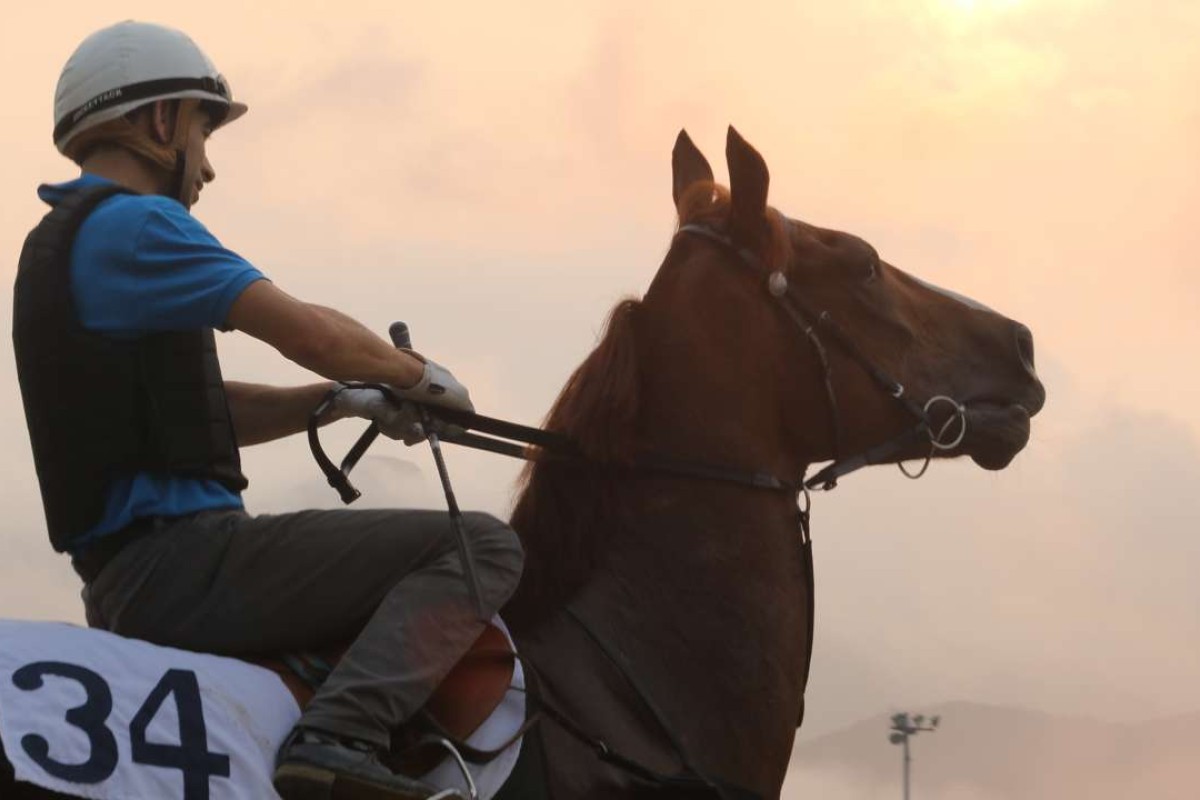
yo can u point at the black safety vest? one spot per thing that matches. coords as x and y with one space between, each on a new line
99 408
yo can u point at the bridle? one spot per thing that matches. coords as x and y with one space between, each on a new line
811 323
502 437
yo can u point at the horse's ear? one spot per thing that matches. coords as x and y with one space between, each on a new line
688 165
748 181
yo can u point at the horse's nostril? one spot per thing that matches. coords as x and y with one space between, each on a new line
1025 346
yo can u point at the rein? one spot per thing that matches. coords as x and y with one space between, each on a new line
522 442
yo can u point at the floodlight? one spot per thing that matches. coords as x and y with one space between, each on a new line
903 727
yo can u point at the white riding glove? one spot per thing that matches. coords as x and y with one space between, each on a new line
437 387
396 421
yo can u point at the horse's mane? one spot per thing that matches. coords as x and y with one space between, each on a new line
567 509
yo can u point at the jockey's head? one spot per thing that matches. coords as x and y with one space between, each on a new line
148 90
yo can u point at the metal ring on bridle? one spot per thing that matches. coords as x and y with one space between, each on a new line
806 506
960 413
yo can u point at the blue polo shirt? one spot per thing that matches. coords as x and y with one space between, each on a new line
142 264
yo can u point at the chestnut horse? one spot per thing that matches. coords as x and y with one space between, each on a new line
667 598
668 615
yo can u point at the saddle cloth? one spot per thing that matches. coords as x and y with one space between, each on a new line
91 714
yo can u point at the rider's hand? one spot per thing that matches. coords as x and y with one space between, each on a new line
395 420
437 387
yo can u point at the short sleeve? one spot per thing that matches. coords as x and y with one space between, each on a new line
169 274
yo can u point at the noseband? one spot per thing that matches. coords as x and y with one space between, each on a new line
810 323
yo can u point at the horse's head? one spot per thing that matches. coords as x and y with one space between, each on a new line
806 333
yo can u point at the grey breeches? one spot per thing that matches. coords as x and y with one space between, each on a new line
228 583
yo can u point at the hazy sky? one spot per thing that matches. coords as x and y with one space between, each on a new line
498 175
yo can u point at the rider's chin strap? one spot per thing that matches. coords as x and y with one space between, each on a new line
185 111
176 189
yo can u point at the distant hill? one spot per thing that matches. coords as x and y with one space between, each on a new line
985 752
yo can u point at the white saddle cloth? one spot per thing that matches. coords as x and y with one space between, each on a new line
92 714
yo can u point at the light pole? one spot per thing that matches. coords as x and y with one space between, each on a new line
903 727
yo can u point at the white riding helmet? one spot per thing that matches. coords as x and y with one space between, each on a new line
127 65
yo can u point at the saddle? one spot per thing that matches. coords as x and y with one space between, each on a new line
465 699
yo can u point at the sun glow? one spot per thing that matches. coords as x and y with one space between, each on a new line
963 16
969 6
972 7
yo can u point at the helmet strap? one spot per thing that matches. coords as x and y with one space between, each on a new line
176 188
184 109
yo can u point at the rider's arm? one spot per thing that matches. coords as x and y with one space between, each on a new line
265 413
320 339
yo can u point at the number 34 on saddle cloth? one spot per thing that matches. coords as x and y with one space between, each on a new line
91 714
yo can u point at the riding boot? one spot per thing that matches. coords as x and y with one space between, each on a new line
315 765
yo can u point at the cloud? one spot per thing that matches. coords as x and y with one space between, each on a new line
499 179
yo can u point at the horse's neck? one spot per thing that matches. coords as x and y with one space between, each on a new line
705 601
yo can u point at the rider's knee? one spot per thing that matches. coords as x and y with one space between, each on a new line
495 543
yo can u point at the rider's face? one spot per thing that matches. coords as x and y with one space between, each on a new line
198 170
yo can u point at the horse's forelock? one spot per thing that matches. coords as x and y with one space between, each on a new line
708 203
704 202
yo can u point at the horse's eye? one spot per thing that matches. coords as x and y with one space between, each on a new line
862 271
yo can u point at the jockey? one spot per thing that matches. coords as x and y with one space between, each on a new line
135 435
